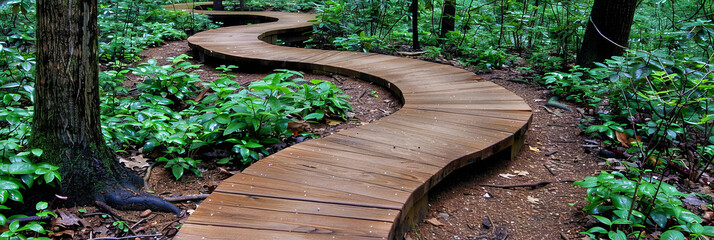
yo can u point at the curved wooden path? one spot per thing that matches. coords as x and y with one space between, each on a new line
362 183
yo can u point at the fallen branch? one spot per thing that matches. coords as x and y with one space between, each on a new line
29 219
529 185
186 198
109 210
127 237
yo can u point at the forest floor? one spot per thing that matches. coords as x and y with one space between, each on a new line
461 207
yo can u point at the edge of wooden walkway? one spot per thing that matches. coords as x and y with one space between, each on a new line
362 183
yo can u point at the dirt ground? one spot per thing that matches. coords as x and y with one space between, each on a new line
551 159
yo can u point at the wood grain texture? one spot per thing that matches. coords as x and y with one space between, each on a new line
361 182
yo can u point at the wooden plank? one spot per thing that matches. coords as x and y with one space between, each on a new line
457 121
269 187
401 168
339 181
219 200
236 217
199 231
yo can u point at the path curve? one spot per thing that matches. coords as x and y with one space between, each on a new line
362 183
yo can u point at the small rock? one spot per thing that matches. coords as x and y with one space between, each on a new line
145 213
487 223
171 232
444 215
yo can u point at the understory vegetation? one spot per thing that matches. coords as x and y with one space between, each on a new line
171 114
651 110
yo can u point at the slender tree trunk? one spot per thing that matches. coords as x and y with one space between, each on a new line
448 17
611 19
218 5
415 24
66 123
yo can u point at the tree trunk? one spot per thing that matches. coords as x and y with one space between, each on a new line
415 25
613 19
218 5
448 17
66 123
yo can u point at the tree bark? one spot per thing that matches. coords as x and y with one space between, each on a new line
448 17
415 25
66 123
613 19
218 5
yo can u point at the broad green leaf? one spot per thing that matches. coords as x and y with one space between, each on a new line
14 226
603 220
622 202
708 230
15 195
8 185
234 127
177 171
37 152
619 235
672 235
41 206
21 168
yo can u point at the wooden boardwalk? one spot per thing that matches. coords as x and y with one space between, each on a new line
362 183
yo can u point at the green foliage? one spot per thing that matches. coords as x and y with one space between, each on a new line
246 121
16 230
128 27
620 204
121 225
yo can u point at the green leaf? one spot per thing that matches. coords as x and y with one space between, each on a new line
3 196
619 235
672 235
8 185
621 202
41 206
37 152
708 230
689 217
3 219
253 145
36 227
15 195
315 115
603 220
234 127
177 171
21 168
14 226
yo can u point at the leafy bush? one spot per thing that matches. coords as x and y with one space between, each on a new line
167 120
635 205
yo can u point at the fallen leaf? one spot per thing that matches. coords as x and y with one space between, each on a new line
622 138
535 149
135 162
332 122
693 200
145 213
533 200
506 175
434 222
523 173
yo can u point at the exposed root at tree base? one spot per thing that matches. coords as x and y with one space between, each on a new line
129 200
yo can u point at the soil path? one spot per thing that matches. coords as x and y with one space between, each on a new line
552 152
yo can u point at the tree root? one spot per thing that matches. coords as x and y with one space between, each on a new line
129 200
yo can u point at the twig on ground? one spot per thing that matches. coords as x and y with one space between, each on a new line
529 185
186 198
29 219
126 237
